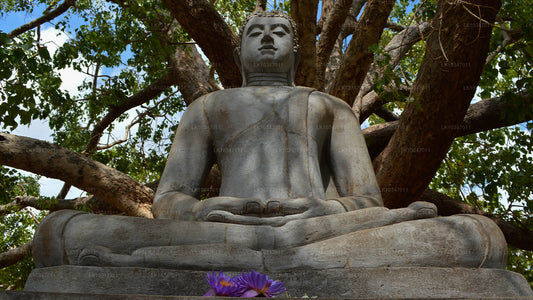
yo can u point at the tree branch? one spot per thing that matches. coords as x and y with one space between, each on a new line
15 255
214 36
148 93
481 116
304 14
508 38
372 101
43 19
399 45
191 74
49 160
386 114
358 56
454 59
329 35
20 202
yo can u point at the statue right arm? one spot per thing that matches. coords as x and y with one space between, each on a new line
188 164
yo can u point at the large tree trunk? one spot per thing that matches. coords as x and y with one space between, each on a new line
358 57
98 179
454 59
304 14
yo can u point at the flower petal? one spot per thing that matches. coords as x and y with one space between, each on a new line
250 294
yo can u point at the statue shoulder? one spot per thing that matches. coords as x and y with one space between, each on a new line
224 95
329 102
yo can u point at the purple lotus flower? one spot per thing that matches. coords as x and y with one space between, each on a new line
222 285
257 284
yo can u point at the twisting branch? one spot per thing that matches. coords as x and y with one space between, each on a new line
397 48
372 101
358 57
41 20
386 114
395 27
148 93
348 28
216 38
304 14
480 116
508 38
330 32
138 118
326 7
15 255
49 160
20 202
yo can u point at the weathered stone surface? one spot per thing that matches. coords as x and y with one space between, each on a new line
298 192
339 283
360 238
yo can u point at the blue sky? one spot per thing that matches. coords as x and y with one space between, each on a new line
71 79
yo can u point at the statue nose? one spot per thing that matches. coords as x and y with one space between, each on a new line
267 38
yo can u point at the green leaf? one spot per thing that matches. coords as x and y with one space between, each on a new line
43 53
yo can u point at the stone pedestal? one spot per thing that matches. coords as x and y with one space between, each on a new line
345 283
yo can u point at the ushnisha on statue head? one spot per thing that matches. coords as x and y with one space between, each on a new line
268 52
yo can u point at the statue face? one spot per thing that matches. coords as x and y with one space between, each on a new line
267 45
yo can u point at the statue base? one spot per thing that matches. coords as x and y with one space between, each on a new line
346 283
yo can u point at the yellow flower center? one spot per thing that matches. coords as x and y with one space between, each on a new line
225 283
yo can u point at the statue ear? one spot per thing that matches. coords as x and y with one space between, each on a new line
297 56
237 58
292 72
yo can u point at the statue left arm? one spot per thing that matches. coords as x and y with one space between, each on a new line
350 162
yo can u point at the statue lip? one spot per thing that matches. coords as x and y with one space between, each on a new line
268 47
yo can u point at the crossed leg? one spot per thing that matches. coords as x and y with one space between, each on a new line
357 238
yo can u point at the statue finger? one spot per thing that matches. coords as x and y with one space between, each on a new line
227 217
253 207
273 207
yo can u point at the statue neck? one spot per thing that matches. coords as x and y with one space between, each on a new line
262 79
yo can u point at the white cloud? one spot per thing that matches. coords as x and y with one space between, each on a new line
39 129
71 79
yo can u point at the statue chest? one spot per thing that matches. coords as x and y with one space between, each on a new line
258 118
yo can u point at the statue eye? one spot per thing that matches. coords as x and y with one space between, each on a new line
255 33
280 33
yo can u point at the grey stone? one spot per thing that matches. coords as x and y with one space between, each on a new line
374 237
280 149
353 283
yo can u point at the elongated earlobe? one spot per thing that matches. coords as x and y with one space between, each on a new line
237 58
292 73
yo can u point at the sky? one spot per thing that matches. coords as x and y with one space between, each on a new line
71 79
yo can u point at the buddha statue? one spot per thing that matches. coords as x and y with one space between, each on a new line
298 189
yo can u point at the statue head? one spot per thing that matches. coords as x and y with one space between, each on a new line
268 47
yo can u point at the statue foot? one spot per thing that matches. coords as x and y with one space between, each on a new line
93 256
423 210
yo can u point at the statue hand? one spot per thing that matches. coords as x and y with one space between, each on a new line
232 205
278 212
306 207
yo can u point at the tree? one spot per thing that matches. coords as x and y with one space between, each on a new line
442 84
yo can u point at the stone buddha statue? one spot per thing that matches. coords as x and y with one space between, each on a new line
298 189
